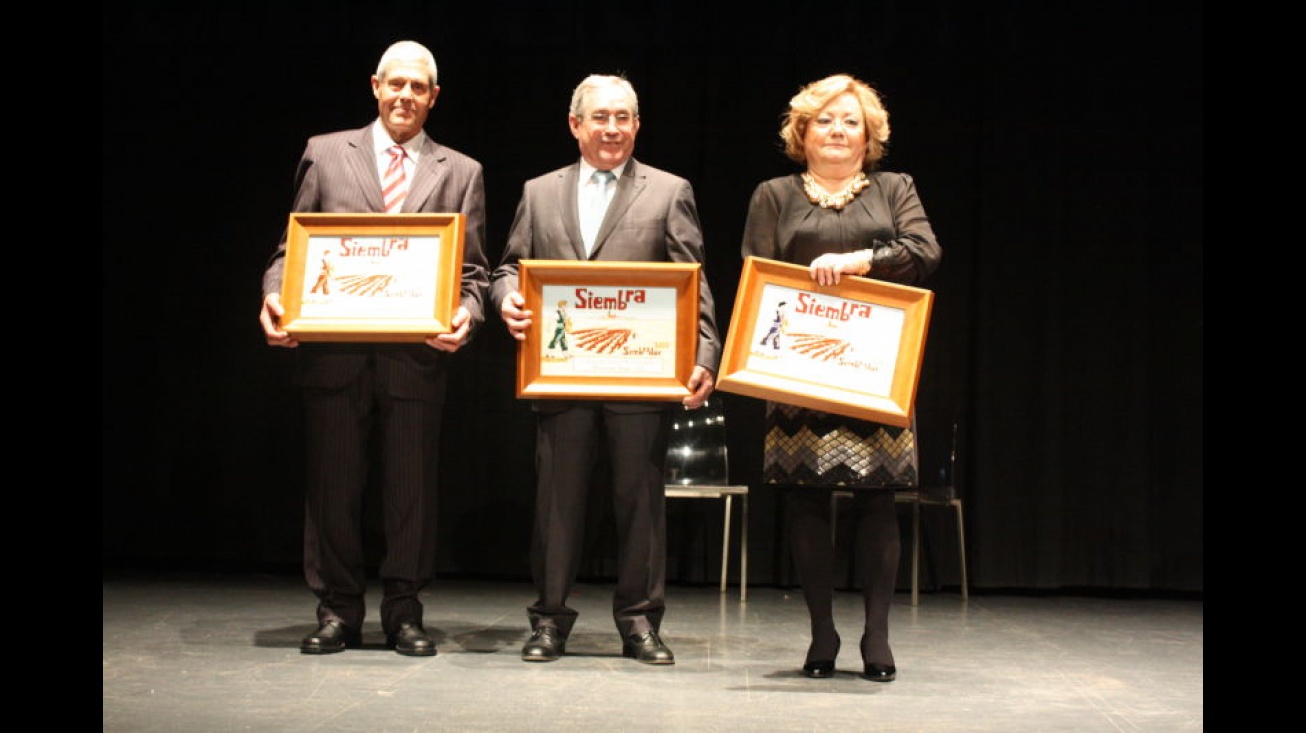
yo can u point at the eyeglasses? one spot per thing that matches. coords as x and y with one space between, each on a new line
623 119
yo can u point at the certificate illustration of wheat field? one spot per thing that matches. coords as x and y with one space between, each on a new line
825 339
853 349
371 277
611 330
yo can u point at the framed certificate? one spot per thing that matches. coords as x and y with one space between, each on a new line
372 277
853 349
608 330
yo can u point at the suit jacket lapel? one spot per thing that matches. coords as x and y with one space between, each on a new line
629 187
570 208
362 164
430 169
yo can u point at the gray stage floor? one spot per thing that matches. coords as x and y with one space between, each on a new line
220 652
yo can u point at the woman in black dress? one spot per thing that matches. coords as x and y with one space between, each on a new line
841 216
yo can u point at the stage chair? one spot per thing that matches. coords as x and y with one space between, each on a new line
697 469
942 491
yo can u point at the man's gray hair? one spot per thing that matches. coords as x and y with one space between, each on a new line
595 81
407 51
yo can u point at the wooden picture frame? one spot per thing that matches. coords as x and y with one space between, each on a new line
608 330
853 349
372 277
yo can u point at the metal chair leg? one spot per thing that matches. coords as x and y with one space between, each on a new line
961 540
725 545
915 551
743 548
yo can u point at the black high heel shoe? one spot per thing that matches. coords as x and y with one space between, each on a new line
880 672
876 672
823 669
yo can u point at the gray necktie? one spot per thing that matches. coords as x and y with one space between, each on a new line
594 206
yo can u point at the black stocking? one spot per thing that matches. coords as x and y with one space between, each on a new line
877 550
809 540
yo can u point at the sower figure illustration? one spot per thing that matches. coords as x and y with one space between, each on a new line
561 327
777 327
323 283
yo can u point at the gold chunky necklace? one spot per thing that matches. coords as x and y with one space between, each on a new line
836 201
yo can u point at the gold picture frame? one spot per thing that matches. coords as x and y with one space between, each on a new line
608 330
372 277
853 349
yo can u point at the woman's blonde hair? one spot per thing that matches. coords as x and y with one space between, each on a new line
812 98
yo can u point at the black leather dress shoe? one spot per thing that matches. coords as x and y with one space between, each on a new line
545 645
411 640
330 637
880 672
647 648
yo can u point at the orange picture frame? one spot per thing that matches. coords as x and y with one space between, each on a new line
608 330
372 277
853 349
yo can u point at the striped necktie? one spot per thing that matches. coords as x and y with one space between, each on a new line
394 186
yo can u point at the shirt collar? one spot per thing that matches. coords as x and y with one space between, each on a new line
587 170
381 140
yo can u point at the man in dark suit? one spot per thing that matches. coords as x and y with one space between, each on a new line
395 390
651 217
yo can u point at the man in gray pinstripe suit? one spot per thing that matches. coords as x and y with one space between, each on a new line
651 217
352 391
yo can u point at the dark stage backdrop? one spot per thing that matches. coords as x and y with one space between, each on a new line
1057 150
